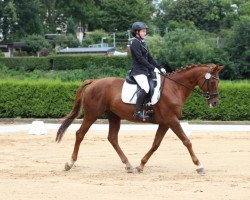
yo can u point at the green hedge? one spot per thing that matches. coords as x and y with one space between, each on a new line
26 63
45 99
36 99
234 104
66 62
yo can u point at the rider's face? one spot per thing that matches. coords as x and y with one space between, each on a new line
142 33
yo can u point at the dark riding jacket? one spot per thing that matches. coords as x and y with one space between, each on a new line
142 61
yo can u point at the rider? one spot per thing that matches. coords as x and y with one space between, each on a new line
143 65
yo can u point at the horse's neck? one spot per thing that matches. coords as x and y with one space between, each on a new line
186 81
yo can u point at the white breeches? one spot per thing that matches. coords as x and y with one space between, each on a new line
142 81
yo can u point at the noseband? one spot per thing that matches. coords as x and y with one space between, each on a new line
207 95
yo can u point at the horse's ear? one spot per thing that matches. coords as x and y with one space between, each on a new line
217 69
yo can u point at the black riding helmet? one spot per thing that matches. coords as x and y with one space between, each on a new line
138 26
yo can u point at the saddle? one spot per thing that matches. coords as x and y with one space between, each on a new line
130 88
152 84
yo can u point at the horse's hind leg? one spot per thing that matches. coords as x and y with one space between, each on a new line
114 127
79 137
160 133
177 129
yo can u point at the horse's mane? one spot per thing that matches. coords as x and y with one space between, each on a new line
181 69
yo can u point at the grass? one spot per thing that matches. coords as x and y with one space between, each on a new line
79 75
62 75
235 83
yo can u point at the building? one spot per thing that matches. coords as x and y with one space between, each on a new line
8 49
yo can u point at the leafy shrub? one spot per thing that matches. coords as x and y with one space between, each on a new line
35 43
97 62
63 75
94 38
36 99
66 41
185 46
238 47
1 54
234 104
26 63
44 52
55 99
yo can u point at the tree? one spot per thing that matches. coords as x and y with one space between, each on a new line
221 14
29 21
95 37
8 19
57 13
244 8
71 26
53 14
35 43
85 12
182 47
66 41
209 15
120 14
239 46
180 10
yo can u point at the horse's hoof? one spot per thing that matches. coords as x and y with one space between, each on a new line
201 171
129 169
67 167
139 170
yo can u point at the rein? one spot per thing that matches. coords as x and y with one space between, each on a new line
207 95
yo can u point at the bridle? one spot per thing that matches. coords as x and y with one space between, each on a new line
208 95
208 76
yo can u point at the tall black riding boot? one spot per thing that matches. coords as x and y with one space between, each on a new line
141 95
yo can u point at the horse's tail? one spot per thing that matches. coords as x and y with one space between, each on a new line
74 112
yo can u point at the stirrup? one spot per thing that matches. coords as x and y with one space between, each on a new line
140 115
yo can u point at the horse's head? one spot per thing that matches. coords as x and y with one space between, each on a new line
209 83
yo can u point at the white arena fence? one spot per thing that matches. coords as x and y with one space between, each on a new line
39 128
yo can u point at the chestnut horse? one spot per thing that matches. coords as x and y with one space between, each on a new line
104 96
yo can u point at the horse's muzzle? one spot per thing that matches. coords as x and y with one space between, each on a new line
213 102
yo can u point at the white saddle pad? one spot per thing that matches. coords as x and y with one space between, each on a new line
129 90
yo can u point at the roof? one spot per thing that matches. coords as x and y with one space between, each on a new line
3 46
51 36
13 45
87 50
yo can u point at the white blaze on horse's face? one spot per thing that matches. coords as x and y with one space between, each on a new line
214 83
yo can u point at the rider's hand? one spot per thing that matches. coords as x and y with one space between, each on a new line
163 70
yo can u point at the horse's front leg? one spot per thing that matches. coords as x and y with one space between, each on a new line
161 131
177 129
114 127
